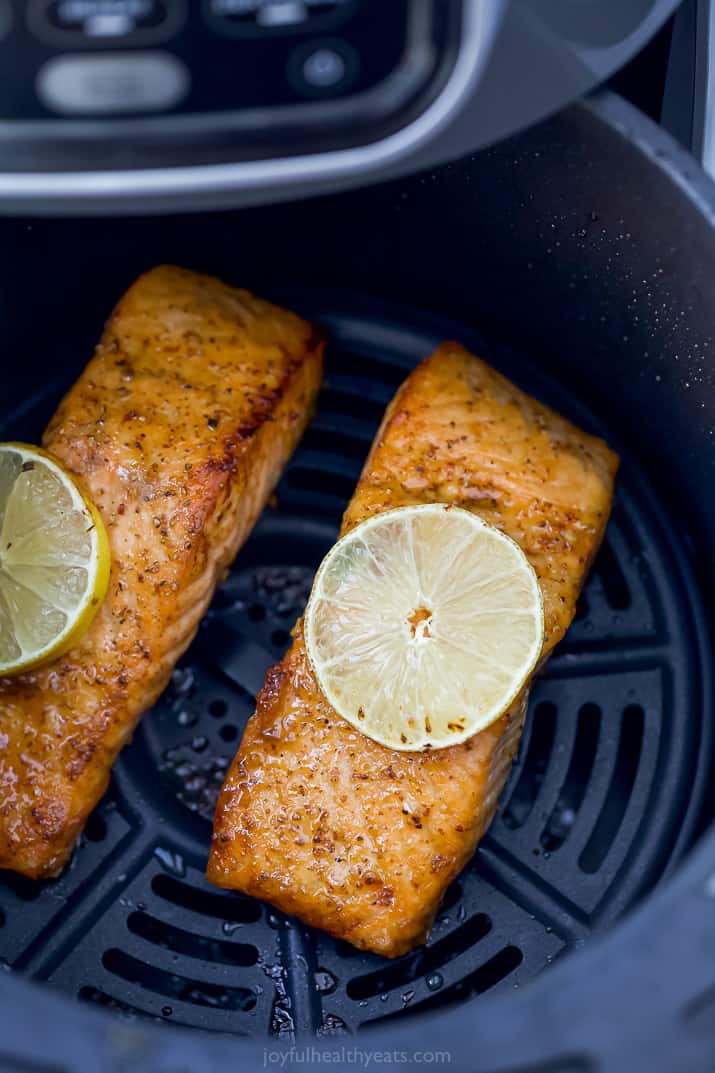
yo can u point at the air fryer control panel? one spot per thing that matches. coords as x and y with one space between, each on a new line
160 105
286 74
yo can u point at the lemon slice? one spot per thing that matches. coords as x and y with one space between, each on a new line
54 559
423 625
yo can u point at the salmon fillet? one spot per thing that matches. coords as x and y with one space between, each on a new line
179 426
325 823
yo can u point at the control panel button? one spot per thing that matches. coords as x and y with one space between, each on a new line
112 84
323 68
246 16
89 22
282 13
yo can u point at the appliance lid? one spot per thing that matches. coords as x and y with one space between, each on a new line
143 106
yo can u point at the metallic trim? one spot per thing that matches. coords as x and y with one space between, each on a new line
708 153
6 18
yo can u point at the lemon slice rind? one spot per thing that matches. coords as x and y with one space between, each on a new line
54 559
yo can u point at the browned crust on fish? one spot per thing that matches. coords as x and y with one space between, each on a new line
327 824
179 427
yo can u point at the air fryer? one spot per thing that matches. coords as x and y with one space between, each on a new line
577 255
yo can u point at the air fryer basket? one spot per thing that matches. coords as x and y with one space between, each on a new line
575 257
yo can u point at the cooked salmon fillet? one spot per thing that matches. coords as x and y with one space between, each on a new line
325 823
179 427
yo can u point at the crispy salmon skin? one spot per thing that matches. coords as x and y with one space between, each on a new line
347 834
179 427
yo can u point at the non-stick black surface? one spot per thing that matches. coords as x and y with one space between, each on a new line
601 802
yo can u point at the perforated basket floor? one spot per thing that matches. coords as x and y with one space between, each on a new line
603 798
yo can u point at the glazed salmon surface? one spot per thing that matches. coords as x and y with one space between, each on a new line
318 819
179 427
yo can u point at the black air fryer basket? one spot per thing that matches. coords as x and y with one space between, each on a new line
579 258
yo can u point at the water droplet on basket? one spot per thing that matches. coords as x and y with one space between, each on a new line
166 1011
273 921
182 681
332 1026
282 1024
284 589
407 997
229 927
435 981
171 862
325 982
186 717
